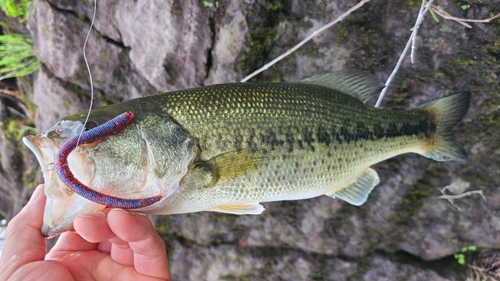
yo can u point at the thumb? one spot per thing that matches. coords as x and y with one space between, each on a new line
24 242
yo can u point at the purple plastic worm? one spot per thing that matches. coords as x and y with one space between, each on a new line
113 126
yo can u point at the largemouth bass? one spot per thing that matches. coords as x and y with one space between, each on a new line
229 147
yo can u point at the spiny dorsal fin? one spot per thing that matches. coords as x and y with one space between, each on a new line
234 164
359 84
356 192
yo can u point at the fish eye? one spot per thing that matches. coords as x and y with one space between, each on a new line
90 125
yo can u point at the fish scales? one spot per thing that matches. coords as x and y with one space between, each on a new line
325 136
228 147
293 116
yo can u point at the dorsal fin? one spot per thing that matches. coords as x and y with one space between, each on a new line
359 84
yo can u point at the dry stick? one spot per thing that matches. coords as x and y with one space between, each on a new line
316 32
445 15
400 61
17 112
477 269
461 195
462 21
450 198
20 101
415 28
9 74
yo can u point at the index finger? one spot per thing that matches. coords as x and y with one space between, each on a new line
24 242
150 256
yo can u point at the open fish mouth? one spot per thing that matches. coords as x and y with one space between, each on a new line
44 151
59 196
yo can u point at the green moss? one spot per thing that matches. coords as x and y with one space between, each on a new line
163 228
438 74
412 2
277 6
464 62
277 78
104 103
177 11
342 32
15 129
369 36
495 49
260 35
29 177
412 202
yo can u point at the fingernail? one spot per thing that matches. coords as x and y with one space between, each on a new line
96 215
120 210
128 212
101 214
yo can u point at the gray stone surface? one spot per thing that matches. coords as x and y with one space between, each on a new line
404 231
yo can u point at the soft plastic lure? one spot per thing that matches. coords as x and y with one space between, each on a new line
113 126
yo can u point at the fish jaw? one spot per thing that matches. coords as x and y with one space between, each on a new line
59 215
62 205
45 151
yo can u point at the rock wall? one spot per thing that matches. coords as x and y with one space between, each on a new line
404 231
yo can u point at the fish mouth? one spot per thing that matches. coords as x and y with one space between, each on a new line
62 205
33 143
45 151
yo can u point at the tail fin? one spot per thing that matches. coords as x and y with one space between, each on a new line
448 111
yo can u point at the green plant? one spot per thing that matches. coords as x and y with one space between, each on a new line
460 257
16 56
434 16
16 8
209 4
465 7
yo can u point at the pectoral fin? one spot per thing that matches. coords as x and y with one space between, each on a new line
234 164
240 209
356 192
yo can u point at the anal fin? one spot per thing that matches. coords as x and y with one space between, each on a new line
356 192
240 209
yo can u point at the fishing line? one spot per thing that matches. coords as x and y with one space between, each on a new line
90 73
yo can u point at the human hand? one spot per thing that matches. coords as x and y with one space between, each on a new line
110 245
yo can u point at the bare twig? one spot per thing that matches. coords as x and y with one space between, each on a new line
17 98
11 94
477 270
462 21
410 41
461 195
17 112
450 198
316 32
415 29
